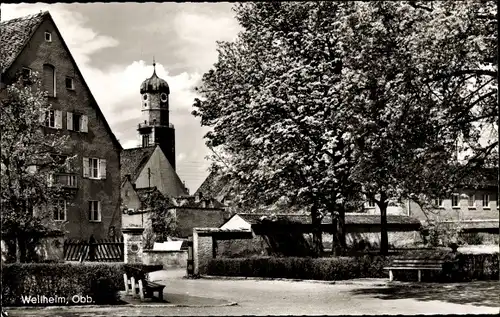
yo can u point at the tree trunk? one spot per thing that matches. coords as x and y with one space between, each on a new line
339 246
18 251
316 232
384 239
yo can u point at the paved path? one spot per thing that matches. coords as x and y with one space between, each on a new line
279 297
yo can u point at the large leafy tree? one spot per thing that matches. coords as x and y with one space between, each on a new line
272 102
422 81
318 102
30 156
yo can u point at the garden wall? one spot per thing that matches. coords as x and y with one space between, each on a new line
169 259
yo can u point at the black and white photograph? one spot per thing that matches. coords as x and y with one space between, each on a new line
249 158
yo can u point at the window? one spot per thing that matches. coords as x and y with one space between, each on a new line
53 119
145 96
94 168
49 79
486 201
70 83
77 122
455 199
438 202
26 73
94 210
472 201
145 140
50 119
48 37
60 210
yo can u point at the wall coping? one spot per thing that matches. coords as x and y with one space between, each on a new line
164 251
137 230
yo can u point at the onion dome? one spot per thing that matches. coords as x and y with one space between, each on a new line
154 84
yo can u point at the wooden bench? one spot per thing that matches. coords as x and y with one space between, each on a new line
415 264
136 283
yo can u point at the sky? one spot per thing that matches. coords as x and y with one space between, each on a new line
114 45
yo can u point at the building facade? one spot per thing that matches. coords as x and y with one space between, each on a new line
34 44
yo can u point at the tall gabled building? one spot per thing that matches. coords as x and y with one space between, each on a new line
34 44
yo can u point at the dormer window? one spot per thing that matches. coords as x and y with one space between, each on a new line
48 37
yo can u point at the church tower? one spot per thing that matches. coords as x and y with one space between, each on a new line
156 128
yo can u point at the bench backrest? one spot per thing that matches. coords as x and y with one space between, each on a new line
418 262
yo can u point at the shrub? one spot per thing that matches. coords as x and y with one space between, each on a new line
337 268
472 238
467 267
99 281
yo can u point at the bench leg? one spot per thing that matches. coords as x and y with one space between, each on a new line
419 275
160 295
125 279
141 290
132 283
391 276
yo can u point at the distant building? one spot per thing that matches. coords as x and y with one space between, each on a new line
153 166
34 44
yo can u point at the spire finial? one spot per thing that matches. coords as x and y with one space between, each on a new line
154 63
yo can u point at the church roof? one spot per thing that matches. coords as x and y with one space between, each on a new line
145 193
15 34
155 84
133 160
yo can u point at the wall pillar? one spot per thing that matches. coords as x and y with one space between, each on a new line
133 244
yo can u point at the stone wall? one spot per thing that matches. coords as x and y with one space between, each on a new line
241 247
189 218
133 245
169 259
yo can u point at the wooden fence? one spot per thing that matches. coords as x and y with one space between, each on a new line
98 250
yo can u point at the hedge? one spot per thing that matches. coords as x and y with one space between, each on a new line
38 282
470 267
337 268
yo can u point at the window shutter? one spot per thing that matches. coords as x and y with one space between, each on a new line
48 79
84 124
43 117
58 118
86 167
98 210
102 169
69 120
50 180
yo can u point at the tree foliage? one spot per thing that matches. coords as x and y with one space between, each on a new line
29 158
318 102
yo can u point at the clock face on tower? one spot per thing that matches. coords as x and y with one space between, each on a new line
163 97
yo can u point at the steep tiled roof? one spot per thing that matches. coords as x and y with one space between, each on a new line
133 160
205 202
355 219
145 193
214 185
15 34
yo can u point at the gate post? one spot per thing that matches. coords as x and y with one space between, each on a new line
190 259
132 244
